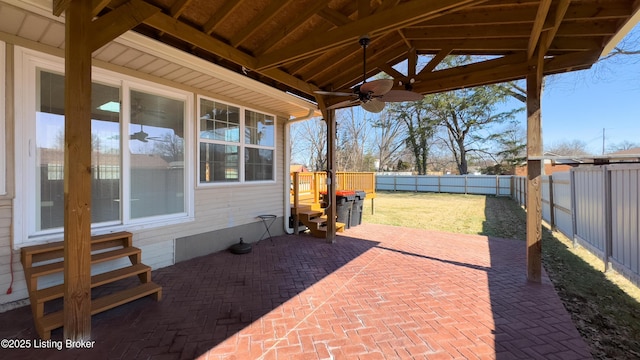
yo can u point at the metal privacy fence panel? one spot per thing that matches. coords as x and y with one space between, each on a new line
625 217
455 184
563 221
547 206
589 187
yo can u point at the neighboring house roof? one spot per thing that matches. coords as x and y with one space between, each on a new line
298 168
632 151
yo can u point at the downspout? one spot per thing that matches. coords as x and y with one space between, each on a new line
286 175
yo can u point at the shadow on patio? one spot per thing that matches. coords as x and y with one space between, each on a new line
380 292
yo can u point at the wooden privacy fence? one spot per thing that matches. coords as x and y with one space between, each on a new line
598 208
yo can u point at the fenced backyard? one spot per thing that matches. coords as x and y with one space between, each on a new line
597 207
604 306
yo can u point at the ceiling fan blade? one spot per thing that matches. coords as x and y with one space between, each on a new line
373 106
377 87
334 93
400 96
342 104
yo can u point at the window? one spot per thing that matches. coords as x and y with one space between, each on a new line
157 155
49 145
146 183
259 138
222 147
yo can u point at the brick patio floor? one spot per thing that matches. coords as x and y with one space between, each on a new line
379 292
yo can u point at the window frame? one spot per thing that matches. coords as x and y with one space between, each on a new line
3 144
242 146
28 62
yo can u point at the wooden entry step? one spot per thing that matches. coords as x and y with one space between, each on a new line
41 260
316 222
55 320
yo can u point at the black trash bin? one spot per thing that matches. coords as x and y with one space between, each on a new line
356 208
344 202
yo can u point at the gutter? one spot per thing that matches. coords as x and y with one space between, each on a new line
287 163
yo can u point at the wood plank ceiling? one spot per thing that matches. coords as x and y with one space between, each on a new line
306 45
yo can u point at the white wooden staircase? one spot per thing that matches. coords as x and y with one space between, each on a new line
41 260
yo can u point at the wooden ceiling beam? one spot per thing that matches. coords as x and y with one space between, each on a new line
60 6
404 38
498 46
538 24
177 29
318 67
437 59
290 27
403 15
219 16
570 28
115 23
364 8
523 15
468 32
178 8
349 76
481 66
335 17
98 6
508 68
389 70
558 16
265 15
571 62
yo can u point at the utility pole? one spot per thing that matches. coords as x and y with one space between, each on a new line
602 141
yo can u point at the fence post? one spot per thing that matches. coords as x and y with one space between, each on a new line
394 183
439 184
511 187
465 184
416 184
608 217
552 212
497 186
574 224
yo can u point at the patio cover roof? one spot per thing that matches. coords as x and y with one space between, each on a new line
306 45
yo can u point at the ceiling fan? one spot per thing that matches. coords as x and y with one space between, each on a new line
142 136
373 95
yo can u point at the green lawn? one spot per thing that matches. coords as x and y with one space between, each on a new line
604 307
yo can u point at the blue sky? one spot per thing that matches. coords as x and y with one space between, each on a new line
580 104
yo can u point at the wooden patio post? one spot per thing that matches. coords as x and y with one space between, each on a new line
77 172
331 176
534 170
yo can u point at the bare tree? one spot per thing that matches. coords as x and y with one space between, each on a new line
568 148
389 139
420 128
353 133
313 134
170 147
623 145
